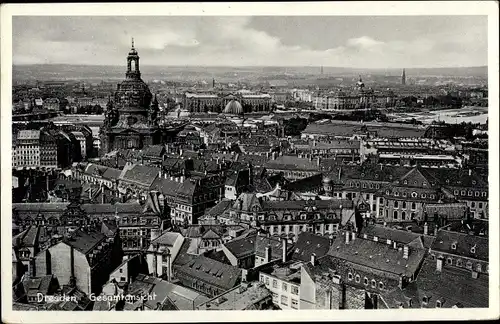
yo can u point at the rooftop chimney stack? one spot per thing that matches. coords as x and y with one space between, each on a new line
347 237
284 246
426 229
439 264
313 259
267 255
406 252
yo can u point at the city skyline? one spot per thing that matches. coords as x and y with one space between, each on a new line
366 42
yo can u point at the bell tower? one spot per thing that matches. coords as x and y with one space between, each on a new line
133 71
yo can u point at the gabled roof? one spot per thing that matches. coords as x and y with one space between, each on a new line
463 243
212 271
384 233
309 243
167 238
85 241
375 255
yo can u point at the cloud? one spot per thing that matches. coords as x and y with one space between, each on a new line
230 41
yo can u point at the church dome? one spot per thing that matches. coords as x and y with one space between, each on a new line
233 107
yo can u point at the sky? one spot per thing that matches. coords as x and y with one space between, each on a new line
337 41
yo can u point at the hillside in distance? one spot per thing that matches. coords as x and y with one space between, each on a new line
224 74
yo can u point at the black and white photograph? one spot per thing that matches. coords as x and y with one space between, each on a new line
231 161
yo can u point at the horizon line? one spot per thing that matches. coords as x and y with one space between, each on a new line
262 66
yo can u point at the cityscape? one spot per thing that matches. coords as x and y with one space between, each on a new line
234 163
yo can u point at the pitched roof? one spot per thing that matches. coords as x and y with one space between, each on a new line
464 244
241 247
84 241
395 235
375 255
172 188
141 174
309 243
212 272
167 238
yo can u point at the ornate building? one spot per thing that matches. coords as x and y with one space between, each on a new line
131 120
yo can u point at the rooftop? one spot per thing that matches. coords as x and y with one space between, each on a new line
238 298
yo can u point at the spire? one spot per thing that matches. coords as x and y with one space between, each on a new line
132 42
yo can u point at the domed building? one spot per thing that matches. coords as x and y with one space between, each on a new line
131 120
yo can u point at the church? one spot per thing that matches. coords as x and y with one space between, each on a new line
131 120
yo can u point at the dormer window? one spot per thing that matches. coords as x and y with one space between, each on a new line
365 280
473 182
476 193
387 192
425 299
405 181
381 285
414 194
349 276
473 249
454 246
415 183
363 175
438 303
424 195
374 283
396 193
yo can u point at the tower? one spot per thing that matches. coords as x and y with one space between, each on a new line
322 70
403 77
133 71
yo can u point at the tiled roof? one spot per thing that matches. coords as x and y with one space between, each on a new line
276 246
212 272
464 243
241 247
309 243
167 238
451 286
85 241
332 204
141 174
290 162
172 188
376 255
401 236
219 209
39 284
153 150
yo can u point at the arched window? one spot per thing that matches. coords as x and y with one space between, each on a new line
365 281
395 215
403 215
358 278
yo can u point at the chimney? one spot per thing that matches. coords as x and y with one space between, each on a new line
313 259
347 237
182 178
470 172
318 161
32 268
426 229
171 178
267 255
159 174
385 224
353 235
435 230
406 252
284 246
395 245
244 275
439 264
475 274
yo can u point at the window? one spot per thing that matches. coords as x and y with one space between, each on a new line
396 204
455 192
438 303
480 205
295 290
413 206
284 300
381 285
459 263
349 276
396 193
404 204
483 194
395 215
454 246
449 261
275 283
405 194
473 249
462 192
285 287
403 215
295 304
365 281
374 283
476 193
381 200
414 194
424 195
469 265
478 267
121 270
275 296
469 193
358 278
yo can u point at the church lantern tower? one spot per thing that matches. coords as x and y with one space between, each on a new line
133 71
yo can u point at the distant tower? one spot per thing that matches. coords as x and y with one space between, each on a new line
403 77
213 82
